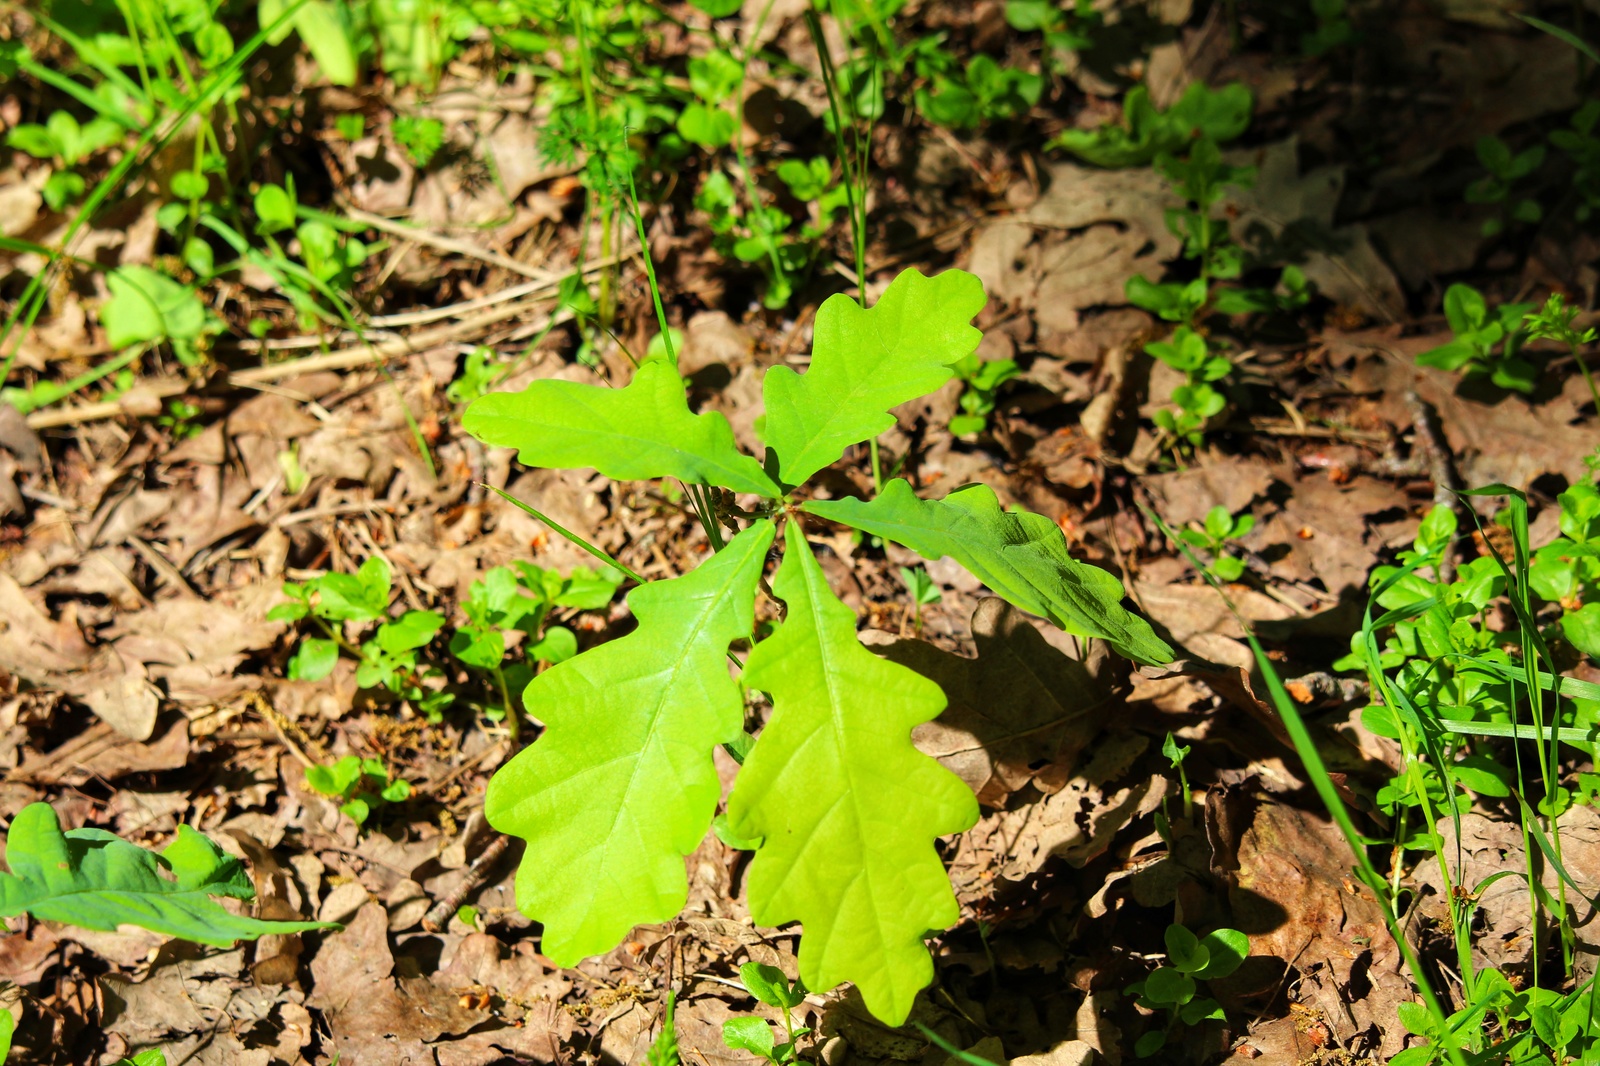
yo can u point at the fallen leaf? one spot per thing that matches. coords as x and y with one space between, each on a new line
1288 217
1019 707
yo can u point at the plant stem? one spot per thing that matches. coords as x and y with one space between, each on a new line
513 720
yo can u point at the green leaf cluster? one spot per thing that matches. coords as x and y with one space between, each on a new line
97 880
1174 988
1535 1025
148 307
981 380
983 92
507 600
768 985
1485 343
359 785
1212 537
1219 115
841 810
1567 570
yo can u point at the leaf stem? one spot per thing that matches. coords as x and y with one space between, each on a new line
513 720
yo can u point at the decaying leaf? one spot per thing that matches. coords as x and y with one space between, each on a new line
1019 707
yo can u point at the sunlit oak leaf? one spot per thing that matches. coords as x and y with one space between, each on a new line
621 786
643 430
95 879
848 808
1023 557
865 362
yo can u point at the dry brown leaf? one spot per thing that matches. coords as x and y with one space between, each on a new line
1075 823
1502 936
1294 896
101 751
1288 217
377 1019
1019 708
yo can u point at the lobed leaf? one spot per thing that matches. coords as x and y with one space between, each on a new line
848 808
643 430
97 880
1023 557
621 786
864 362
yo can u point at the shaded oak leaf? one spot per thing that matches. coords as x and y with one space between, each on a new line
621 785
1022 557
96 880
847 807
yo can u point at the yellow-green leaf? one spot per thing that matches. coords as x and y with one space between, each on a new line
621 786
865 362
644 430
849 809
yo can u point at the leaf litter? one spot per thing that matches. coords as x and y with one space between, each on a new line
144 689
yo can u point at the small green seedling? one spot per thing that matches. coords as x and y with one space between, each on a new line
923 590
841 808
1176 754
664 1048
481 370
1212 537
389 659
1553 322
509 600
359 785
62 140
1547 1025
350 125
1174 988
713 78
1334 28
148 307
1197 402
984 92
329 256
419 138
1441 662
766 236
1567 570
1219 115
1582 146
769 985
981 380
1484 343
1506 169
1065 29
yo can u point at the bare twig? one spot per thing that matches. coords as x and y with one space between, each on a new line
449 244
1430 441
439 914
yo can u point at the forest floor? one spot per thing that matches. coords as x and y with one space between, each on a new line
152 516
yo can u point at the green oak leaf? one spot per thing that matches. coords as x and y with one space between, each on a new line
96 880
621 786
848 808
864 362
1022 557
644 430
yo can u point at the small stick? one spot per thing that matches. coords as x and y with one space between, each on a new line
1442 472
450 244
439 914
